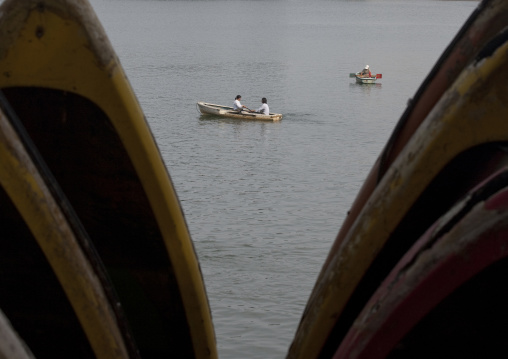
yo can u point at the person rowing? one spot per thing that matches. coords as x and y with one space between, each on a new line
237 106
365 72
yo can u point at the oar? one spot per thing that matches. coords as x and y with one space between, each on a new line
379 76
352 74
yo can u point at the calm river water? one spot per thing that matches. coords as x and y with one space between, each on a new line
264 201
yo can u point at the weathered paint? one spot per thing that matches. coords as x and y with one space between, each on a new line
438 263
424 151
60 45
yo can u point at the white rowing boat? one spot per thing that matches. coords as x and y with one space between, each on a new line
366 80
225 111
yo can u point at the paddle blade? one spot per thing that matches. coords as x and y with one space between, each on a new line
379 76
352 74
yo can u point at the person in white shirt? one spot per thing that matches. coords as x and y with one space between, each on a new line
264 109
237 106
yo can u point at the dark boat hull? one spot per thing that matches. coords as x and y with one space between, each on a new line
451 138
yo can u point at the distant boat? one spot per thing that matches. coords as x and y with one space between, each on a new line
365 80
225 111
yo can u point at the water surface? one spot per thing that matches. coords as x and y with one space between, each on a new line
264 201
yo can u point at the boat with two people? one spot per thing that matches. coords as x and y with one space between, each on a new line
243 113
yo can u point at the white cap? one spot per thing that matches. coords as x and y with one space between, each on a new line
366 66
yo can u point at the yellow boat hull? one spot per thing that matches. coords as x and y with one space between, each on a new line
88 199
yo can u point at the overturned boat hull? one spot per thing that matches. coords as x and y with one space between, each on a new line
97 258
435 193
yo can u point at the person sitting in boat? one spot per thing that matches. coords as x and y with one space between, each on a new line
264 109
237 106
365 72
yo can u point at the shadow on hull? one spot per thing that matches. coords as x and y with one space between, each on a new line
95 257
416 268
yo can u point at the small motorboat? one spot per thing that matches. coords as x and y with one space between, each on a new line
225 111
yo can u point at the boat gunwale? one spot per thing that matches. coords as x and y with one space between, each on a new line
365 80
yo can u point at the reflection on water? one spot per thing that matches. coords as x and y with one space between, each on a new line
261 128
365 88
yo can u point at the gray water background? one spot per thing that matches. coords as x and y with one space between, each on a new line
265 201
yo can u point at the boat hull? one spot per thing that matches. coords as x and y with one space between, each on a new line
365 80
97 257
449 141
225 111
446 276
